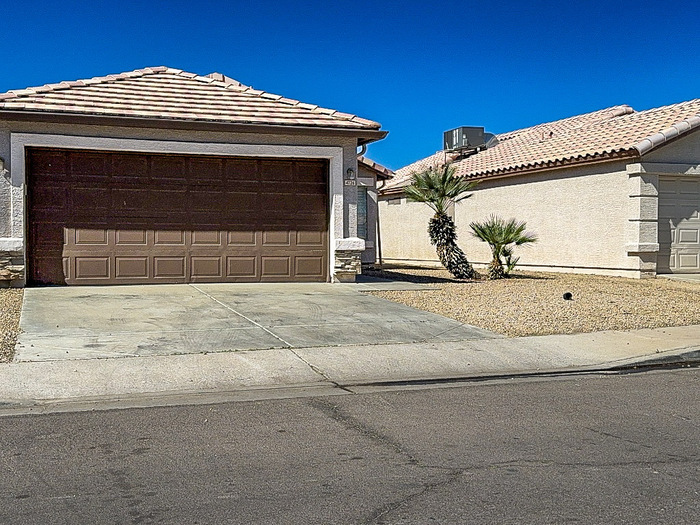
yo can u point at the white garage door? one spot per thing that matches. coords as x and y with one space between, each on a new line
679 225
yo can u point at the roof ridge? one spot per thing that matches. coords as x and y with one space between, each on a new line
615 111
229 83
66 84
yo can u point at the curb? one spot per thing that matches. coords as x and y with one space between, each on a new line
685 360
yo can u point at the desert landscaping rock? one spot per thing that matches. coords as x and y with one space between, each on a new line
532 303
10 309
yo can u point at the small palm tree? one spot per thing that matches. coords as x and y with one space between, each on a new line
439 188
502 237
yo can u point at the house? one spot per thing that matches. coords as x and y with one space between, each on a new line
613 192
162 176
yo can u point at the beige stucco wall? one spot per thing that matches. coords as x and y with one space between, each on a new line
340 150
404 232
580 215
685 150
586 219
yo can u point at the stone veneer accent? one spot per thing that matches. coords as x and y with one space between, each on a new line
11 267
348 263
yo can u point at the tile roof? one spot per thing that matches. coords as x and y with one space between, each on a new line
381 171
607 133
167 93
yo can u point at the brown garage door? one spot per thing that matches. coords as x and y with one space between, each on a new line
123 218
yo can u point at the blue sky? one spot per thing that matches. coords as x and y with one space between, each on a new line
418 67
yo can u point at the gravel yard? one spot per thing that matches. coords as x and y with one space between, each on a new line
10 307
532 303
527 304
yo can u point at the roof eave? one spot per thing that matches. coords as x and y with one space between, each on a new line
671 133
364 136
630 153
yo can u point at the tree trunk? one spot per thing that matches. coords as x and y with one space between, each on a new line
496 270
443 236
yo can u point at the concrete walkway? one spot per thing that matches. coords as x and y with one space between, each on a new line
282 372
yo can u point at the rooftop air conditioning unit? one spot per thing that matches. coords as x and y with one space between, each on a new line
463 138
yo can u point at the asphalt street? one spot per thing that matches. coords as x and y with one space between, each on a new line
580 449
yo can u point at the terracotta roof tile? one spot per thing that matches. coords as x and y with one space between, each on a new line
615 131
168 93
381 171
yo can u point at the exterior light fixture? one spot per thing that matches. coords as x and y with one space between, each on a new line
3 171
351 174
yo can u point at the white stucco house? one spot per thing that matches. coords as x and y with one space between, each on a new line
613 192
162 176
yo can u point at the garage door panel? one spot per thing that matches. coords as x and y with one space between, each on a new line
687 236
242 238
174 218
131 237
165 267
167 169
679 225
205 171
310 238
92 268
90 236
131 267
49 166
50 269
688 261
242 267
310 172
309 266
207 237
169 237
688 187
276 238
50 236
50 197
87 166
205 200
206 268
277 172
276 266
127 168
240 170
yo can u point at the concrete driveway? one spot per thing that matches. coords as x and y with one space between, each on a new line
98 322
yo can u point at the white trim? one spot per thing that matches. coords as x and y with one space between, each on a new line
334 154
11 244
663 168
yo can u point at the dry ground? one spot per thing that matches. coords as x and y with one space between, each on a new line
532 303
527 304
10 307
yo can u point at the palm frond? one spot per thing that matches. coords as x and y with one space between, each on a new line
502 236
438 188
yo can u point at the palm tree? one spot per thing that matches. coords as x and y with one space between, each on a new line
502 237
439 188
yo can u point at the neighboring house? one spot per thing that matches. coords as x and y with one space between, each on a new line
613 192
162 176
370 173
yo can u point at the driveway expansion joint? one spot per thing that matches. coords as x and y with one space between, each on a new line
242 316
